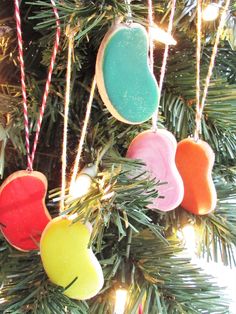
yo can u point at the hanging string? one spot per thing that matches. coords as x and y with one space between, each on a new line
83 133
129 11
200 105
165 55
198 60
151 43
70 34
30 156
23 87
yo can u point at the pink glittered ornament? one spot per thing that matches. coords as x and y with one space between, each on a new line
157 150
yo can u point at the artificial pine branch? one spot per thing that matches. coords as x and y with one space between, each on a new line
215 233
155 272
150 256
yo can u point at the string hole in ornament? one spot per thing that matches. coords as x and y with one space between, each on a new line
162 36
29 170
121 297
154 129
195 137
211 12
129 22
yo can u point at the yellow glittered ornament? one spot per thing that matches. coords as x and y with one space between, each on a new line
67 259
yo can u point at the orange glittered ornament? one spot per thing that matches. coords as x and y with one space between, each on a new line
195 160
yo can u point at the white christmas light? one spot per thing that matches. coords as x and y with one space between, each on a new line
81 186
2 300
211 12
121 296
188 232
159 34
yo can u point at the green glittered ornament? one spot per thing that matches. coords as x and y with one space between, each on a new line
125 82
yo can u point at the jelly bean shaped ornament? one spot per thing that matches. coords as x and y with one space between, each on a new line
195 160
157 151
68 261
125 82
23 214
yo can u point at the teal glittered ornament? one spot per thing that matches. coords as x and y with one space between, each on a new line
125 82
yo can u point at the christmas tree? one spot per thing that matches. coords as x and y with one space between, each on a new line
131 242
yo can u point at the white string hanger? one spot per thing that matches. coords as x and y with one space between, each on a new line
165 56
201 103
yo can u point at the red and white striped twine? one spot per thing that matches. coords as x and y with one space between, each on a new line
30 156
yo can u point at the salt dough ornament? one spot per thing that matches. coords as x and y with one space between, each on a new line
67 258
157 150
195 160
23 214
127 86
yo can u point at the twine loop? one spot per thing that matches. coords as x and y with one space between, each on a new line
31 154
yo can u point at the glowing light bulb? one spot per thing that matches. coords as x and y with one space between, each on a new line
81 186
121 296
2 300
188 232
159 34
211 12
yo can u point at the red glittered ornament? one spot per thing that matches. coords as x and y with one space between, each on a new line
23 214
